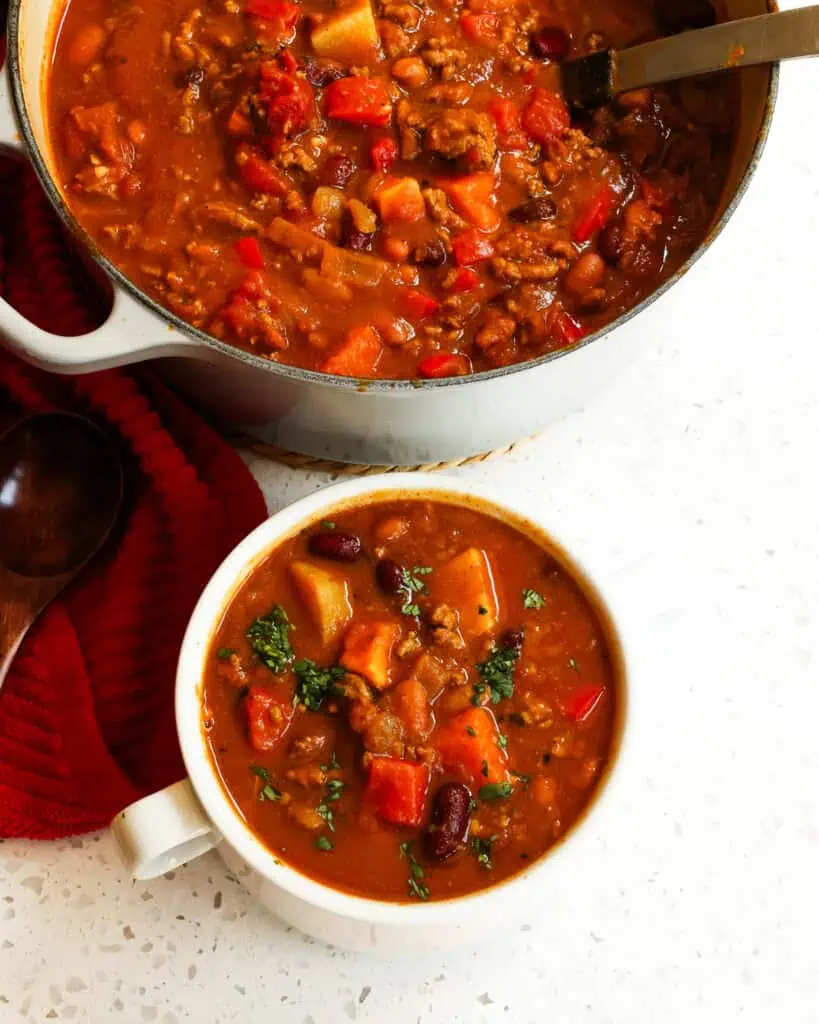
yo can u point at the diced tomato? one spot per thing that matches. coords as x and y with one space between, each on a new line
397 790
473 196
249 252
580 703
465 280
267 717
289 98
469 744
595 214
259 174
480 28
567 329
507 120
254 286
357 355
359 100
417 305
471 247
383 154
444 364
274 10
546 116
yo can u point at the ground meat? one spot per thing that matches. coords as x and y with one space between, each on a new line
454 94
535 710
307 776
497 330
411 644
394 39
510 272
302 156
403 14
229 214
438 54
453 134
440 211
574 150
311 747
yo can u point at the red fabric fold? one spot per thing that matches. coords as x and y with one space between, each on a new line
86 713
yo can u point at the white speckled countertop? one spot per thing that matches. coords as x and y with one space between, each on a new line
695 480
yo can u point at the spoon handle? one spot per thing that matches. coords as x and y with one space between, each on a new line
16 615
732 44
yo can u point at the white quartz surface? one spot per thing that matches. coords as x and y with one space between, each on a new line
694 484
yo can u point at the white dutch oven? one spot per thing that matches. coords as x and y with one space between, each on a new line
382 422
186 819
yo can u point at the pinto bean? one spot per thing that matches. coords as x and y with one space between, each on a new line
341 547
449 827
337 170
585 273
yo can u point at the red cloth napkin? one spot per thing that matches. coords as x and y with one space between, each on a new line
86 713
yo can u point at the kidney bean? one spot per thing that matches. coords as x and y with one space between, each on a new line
352 238
449 826
610 243
341 547
513 638
550 43
337 170
432 254
390 576
534 209
321 72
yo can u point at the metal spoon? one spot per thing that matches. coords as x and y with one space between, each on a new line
594 80
60 493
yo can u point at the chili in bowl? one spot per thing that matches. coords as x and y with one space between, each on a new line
400 702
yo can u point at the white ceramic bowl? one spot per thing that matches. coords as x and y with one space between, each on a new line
192 816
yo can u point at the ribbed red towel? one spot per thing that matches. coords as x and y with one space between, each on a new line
86 714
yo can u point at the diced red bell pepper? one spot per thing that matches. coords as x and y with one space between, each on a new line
383 154
567 329
259 174
469 744
546 116
397 790
471 247
274 10
508 122
357 355
267 717
580 703
417 305
480 28
465 280
595 215
359 100
289 99
444 364
249 252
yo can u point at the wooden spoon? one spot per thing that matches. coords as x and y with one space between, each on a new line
60 494
594 80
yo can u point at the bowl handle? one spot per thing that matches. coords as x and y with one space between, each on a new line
163 830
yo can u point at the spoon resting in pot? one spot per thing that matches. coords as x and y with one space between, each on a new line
593 80
60 493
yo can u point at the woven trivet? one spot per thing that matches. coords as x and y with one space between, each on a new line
313 464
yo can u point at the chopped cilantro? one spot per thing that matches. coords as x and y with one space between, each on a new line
314 683
323 811
573 665
323 843
495 791
470 731
263 773
335 790
485 769
412 583
503 740
497 674
416 888
532 599
482 848
225 653
269 638
328 524
268 792
332 765
410 608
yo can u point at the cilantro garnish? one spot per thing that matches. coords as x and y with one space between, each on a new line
315 683
413 584
267 792
269 638
532 599
414 884
482 848
323 843
497 674
573 665
225 653
495 791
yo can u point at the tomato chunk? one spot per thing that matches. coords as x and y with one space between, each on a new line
274 10
397 790
359 100
469 744
471 247
289 99
417 305
383 154
580 703
465 280
357 356
481 28
267 717
595 215
444 364
259 174
567 329
249 252
508 122
546 116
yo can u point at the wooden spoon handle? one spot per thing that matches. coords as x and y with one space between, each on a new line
732 44
20 601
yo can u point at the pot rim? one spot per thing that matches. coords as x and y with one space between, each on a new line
518 510
295 373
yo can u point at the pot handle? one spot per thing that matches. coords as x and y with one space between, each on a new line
163 830
10 143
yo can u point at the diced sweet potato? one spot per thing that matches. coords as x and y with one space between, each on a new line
398 790
267 715
469 744
367 650
465 582
357 355
472 196
410 703
349 36
401 200
325 597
